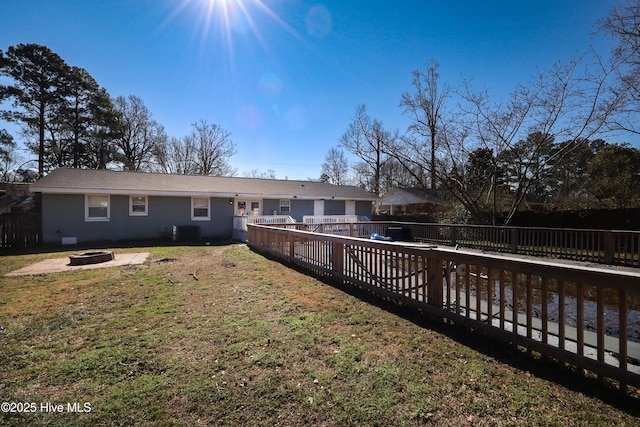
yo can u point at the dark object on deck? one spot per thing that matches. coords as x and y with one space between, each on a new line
376 236
398 233
186 233
91 258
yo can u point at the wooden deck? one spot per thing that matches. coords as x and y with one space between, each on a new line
615 247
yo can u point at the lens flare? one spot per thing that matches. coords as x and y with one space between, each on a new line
270 85
220 19
318 22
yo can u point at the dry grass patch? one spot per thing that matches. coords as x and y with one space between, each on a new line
34 295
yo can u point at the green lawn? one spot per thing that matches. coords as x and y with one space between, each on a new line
252 342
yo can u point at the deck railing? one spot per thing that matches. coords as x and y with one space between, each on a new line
600 246
240 223
583 315
328 219
616 247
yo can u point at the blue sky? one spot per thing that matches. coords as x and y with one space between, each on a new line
284 77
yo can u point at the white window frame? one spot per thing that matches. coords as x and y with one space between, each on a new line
285 205
201 218
131 205
89 218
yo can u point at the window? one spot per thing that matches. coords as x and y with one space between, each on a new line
200 209
97 208
285 205
255 208
138 206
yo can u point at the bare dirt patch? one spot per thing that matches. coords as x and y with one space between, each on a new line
25 296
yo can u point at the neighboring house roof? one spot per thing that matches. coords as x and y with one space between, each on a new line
409 196
15 195
81 181
8 202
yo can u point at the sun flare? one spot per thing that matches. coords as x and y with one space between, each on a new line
222 19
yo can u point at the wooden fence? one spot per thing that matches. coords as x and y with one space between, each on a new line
20 230
586 316
599 246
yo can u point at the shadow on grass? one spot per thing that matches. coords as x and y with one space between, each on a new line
543 367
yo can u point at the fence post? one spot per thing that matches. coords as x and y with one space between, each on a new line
3 231
434 282
337 259
514 240
292 244
609 247
454 235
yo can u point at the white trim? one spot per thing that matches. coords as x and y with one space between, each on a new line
201 218
146 205
88 218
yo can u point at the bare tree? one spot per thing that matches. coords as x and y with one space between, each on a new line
395 174
176 156
139 134
569 103
425 107
335 167
255 173
623 25
205 151
369 140
213 147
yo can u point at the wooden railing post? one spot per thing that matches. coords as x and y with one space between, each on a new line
292 243
514 240
434 282
454 235
609 247
337 259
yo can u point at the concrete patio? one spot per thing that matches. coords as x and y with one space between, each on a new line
57 265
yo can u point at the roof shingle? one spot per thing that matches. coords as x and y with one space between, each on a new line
65 180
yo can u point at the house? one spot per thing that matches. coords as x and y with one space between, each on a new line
88 205
398 201
15 197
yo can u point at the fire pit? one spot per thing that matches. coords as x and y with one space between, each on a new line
91 258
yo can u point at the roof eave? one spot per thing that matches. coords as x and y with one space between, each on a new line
126 192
